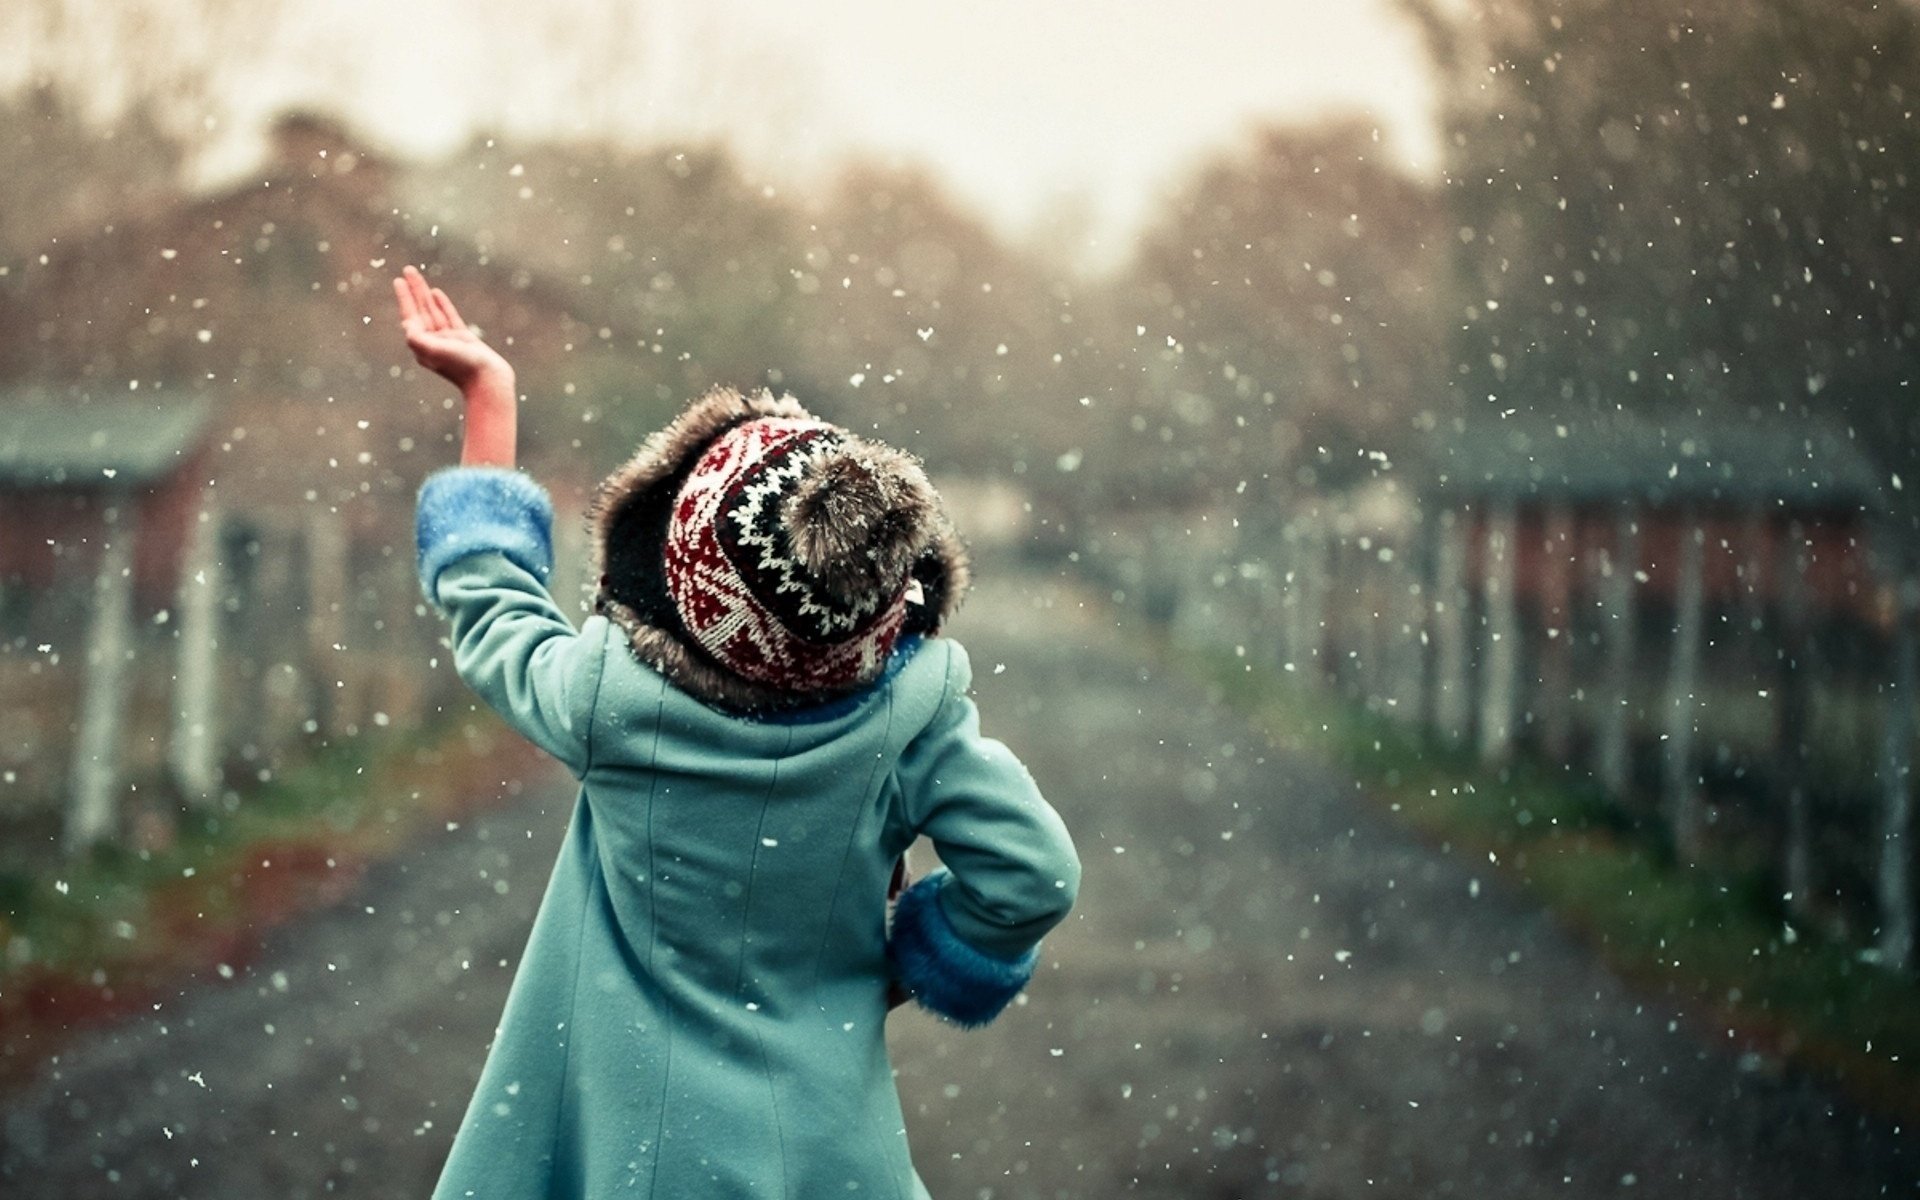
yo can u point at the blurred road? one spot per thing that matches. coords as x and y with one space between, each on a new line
1267 991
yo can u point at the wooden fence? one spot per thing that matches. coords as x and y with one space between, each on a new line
282 633
1744 687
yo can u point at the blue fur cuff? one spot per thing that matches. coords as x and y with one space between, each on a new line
943 973
473 510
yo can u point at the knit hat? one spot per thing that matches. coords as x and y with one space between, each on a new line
761 558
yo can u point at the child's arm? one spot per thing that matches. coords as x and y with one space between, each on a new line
964 940
485 536
447 346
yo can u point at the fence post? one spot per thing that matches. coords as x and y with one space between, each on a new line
1682 794
1619 568
1894 878
276 633
1792 709
1407 584
1311 567
1501 660
193 752
93 806
1556 655
1335 607
1756 569
1451 713
334 694
403 677
1286 589
1370 608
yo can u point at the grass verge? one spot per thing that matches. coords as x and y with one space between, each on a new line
92 938
1715 942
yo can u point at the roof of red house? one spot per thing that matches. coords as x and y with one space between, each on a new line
1656 461
49 441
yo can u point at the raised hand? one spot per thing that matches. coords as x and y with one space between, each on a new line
442 342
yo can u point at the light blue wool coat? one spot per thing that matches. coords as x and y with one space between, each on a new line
701 1006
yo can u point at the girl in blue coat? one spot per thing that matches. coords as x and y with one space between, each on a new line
762 716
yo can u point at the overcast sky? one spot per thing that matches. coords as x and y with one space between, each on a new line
1022 105
1015 102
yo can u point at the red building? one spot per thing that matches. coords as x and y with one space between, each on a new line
102 503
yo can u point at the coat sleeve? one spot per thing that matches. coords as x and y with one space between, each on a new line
486 551
965 938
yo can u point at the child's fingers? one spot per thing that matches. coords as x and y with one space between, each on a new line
423 299
447 310
409 314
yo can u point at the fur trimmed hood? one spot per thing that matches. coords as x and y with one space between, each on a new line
627 528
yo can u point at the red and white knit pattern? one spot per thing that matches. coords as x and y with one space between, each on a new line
741 594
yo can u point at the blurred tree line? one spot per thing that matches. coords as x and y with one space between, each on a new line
1662 207
1642 206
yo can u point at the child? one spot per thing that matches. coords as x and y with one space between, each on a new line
763 716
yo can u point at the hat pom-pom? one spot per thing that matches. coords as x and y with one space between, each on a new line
859 519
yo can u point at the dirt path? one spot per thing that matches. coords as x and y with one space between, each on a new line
1267 991
1271 990
337 1063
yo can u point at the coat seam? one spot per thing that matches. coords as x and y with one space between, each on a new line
846 853
879 1138
596 879
740 963
593 709
916 819
653 940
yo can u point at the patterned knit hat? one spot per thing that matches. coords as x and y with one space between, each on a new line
761 558
788 551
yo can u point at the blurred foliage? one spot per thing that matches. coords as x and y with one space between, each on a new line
882 303
1641 207
64 171
1298 274
1663 208
670 247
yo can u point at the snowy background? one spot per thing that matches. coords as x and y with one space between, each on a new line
1438 468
